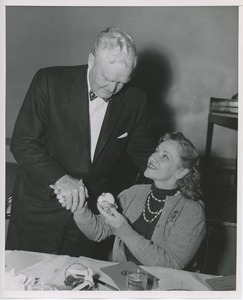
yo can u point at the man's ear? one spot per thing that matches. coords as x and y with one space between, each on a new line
135 62
91 60
181 173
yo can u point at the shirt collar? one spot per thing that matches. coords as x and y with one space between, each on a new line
89 88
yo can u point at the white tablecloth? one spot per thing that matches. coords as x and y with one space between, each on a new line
52 269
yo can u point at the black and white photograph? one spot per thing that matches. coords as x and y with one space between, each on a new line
122 154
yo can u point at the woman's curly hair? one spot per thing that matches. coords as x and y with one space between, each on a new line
189 185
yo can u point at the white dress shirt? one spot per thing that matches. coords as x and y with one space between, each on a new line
97 110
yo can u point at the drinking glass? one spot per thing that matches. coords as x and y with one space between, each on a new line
136 280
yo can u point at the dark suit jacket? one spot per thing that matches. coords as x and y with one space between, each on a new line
52 138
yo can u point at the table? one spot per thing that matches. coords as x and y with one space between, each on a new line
37 264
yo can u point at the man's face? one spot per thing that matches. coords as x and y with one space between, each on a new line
108 73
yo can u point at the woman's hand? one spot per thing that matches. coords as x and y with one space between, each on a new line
112 216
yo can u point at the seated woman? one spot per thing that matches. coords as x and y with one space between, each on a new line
163 223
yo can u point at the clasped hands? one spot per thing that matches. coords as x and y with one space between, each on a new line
71 194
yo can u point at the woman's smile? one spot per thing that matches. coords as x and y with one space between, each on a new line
152 166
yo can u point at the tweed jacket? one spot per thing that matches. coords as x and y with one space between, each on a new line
176 238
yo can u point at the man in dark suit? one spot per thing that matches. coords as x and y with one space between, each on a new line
74 125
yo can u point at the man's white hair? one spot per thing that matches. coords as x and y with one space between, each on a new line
117 42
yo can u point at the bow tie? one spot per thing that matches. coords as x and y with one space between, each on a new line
92 96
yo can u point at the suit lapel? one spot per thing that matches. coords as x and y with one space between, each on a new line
113 113
79 96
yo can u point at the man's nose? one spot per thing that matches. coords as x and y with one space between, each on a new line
112 87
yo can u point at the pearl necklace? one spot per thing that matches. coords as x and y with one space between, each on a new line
148 205
156 199
156 213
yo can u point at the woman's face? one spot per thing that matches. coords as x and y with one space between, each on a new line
164 165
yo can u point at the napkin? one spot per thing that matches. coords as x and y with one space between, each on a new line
223 283
118 274
18 282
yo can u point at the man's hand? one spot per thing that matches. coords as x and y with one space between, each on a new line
70 192
112 216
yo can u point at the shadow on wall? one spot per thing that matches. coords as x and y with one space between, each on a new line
153 74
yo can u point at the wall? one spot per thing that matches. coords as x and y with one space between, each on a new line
194 54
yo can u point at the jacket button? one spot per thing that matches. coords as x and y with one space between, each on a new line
158 226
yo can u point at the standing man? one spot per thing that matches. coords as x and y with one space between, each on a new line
74 125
